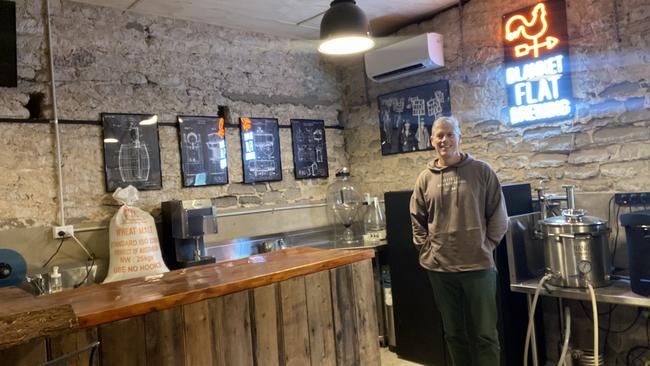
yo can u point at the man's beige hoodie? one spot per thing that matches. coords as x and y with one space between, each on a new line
458 215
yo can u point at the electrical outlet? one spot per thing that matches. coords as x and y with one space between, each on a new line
61 232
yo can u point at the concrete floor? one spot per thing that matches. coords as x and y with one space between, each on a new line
389 358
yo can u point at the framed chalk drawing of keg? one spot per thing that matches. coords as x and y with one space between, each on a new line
204 159
131 151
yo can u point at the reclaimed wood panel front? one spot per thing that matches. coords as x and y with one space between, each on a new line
123 343
366 314
324 318
200 348
26 354
264 322
231 322
345 321
321 322
295 328
165 339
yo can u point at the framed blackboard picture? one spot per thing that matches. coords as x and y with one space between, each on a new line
406 116
260 142
8 60
202 141
309 148
131 151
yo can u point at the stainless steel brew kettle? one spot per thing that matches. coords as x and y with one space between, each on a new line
576 250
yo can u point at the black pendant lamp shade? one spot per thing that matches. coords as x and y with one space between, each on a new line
344 29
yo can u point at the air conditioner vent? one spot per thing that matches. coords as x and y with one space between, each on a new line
403 70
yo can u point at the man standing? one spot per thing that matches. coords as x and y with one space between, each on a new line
459 216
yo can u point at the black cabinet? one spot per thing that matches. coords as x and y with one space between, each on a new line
418 326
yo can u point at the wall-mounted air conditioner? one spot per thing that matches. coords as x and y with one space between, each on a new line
404 58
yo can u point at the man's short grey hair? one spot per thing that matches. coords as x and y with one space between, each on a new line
450 120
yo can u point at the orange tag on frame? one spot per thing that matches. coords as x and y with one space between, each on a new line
246 123
222 129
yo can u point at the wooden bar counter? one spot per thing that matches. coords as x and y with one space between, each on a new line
297 306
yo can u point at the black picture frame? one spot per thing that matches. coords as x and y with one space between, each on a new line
8 56
203 149
406 116
309 148
131 151
260 149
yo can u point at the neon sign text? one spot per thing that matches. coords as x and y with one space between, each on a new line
534 70
540 111
536 90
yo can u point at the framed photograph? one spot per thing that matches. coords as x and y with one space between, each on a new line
204 159
309 148
260 149
406 116
131 151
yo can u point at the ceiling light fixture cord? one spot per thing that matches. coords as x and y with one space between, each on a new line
308 19
133 4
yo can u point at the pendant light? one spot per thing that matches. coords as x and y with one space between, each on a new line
344 29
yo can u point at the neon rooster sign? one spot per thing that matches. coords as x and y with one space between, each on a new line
533 30
537 66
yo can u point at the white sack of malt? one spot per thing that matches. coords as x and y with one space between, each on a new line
133 240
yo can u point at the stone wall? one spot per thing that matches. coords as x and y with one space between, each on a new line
107 61
603 149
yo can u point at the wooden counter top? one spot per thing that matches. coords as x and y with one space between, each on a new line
22 317
99 304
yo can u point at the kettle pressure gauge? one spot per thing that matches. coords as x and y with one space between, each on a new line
584 267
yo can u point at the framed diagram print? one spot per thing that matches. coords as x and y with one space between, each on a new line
204 159
406 116
260 147
309 148
131 151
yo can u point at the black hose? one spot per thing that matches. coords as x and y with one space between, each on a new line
55 253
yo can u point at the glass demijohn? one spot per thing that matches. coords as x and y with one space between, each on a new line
345 203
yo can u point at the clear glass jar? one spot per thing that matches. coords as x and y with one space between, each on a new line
374 216
345 205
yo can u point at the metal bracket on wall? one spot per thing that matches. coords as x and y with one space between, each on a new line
99 123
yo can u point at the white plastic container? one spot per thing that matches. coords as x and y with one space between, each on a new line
56 285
